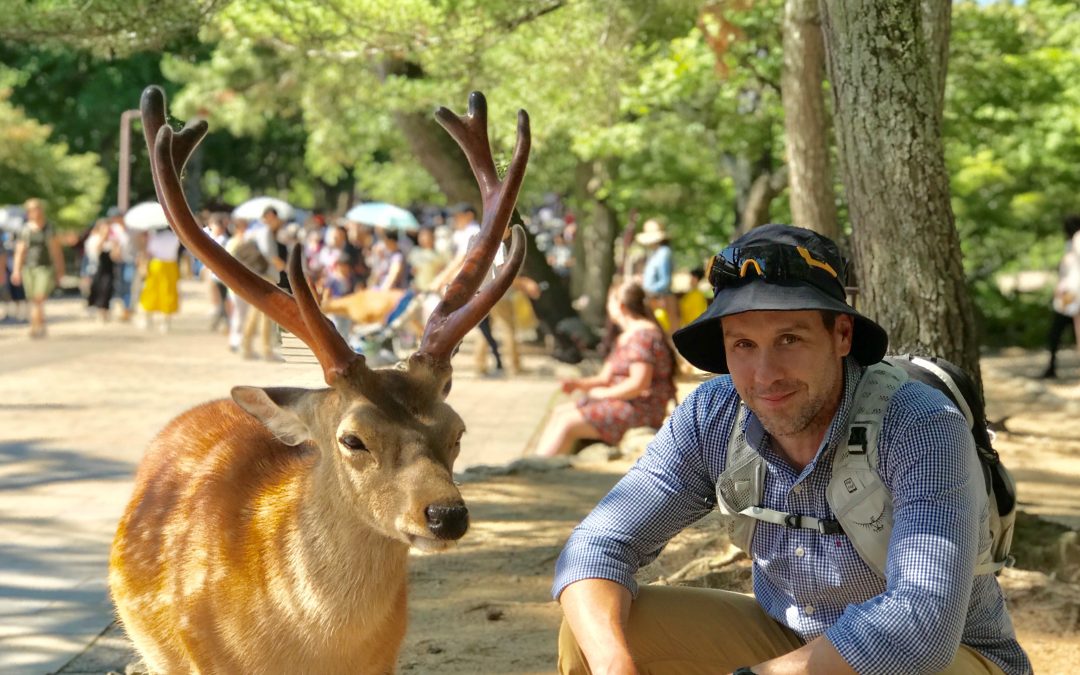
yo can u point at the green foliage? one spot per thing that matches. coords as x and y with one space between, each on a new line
1012 129
1014 319
666 107
31 165
108 28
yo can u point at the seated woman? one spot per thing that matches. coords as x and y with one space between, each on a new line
631 390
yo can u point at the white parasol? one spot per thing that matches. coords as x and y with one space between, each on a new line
146 216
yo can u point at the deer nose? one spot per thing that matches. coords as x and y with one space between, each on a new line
447 522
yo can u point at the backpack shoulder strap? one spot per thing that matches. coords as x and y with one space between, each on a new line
859 500
741 485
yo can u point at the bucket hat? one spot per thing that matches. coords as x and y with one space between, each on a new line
652 232
776 267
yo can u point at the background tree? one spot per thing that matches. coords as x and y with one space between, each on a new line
1012 129
806 122
32 165
886 67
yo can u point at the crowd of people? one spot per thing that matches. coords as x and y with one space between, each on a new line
132 274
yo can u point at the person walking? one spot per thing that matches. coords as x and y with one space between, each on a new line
1066 302
106 248
160 296
465 230
792 354
39 263
265 236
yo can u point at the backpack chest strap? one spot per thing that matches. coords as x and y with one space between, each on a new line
793 521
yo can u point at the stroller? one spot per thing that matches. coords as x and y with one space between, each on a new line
398 336
381 325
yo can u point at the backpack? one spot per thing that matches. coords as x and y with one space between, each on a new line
859 500
251 257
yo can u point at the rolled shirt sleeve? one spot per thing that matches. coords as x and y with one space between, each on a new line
939 504
667 490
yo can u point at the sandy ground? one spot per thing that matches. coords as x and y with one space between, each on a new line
485 607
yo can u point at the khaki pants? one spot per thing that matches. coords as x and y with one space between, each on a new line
691 631
503 315
257 321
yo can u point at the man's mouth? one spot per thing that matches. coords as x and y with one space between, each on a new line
776 398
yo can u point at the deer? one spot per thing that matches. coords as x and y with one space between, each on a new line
270 532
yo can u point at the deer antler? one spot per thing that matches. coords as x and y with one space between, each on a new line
462 308
299 313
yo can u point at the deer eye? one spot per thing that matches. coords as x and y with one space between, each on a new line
353 442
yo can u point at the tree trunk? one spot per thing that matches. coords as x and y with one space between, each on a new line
888 125
756 185
765 188
594 262
813 200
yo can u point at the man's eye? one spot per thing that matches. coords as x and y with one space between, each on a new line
353 442
789 339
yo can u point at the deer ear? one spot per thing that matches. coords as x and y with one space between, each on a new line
277 408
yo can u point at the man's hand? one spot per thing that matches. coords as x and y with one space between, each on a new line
16 278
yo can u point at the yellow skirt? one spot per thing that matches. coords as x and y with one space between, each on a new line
159 292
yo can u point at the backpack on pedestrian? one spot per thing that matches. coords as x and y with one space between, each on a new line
249 254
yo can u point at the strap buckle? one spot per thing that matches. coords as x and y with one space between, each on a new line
857 441
793 521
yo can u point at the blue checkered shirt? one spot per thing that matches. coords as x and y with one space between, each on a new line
911 623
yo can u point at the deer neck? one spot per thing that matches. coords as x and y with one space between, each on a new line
351 570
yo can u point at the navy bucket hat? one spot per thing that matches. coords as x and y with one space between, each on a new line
775 267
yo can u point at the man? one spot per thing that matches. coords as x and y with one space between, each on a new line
656 277
265 235
465 229
795 351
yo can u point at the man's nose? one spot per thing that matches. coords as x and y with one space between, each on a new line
769 367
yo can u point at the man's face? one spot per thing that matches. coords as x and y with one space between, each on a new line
272 220
787 367
463 218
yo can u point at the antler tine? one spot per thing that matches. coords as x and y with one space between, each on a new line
471 134
152 110
297 316
331 350
258 291
461 309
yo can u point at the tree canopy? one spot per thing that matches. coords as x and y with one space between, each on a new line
667 108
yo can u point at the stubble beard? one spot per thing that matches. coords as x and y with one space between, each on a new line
807 417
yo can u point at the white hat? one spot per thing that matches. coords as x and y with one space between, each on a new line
652 232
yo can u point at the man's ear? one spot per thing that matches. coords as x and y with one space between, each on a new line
278 409
843 333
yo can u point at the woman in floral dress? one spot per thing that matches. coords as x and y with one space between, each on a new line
631 390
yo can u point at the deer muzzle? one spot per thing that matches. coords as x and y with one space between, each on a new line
447 522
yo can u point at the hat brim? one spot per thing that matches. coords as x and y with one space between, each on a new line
702 342
650 238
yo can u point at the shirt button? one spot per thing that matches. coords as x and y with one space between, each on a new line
808 610
800 551
797 489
